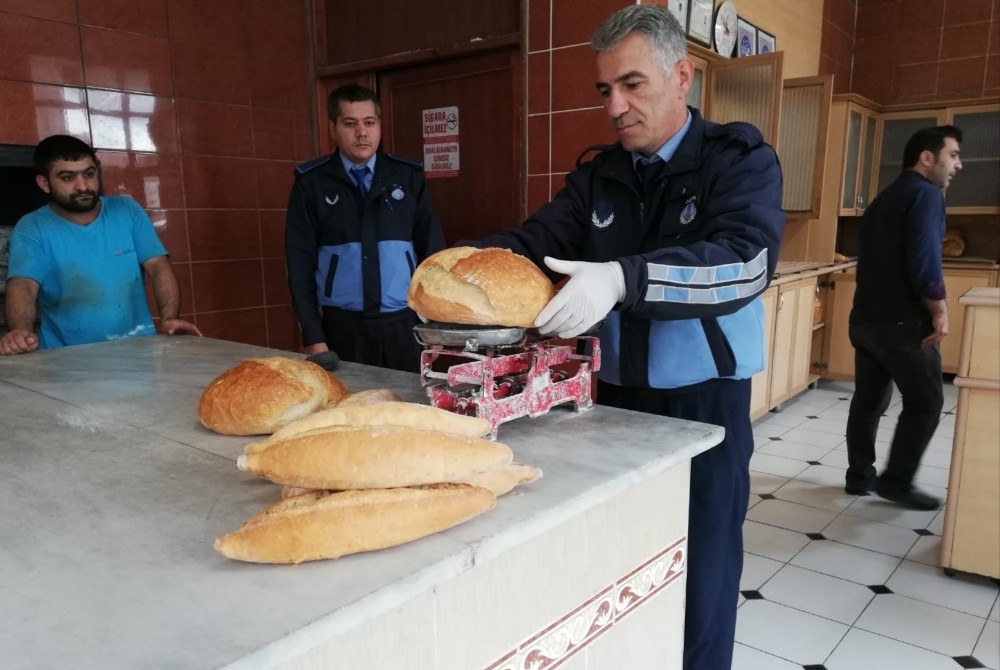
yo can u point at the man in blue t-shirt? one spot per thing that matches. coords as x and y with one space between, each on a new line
79 262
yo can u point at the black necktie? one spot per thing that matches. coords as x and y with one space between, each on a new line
647 171
359 174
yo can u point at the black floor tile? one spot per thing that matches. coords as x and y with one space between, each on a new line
880 589
752 595
968 662
816 536
922 531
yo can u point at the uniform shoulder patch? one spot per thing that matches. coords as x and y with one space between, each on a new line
598 148
405 161
311 165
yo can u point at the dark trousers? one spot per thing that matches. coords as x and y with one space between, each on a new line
720 488
386 340
883 354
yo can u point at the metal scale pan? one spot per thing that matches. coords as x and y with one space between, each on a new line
470 338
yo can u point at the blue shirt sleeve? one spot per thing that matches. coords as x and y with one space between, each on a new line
147 242
923 231
27 253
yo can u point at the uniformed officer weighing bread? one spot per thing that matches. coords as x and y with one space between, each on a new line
358 224
670 236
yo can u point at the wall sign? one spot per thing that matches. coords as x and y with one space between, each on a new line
440 142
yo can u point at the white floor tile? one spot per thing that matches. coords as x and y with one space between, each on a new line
791 516
995 612
824 425
752 500
937 525
880 537
818 594
814 437
878 509
851 563
931 476
790 634
782 419
771 542
824 475
936 459
756 571
836 413
987 651
776 465
805 409
747 658
940 443
835 458
795 450
861 649
927 550
965 593
922 624
814 495
768 429
764 483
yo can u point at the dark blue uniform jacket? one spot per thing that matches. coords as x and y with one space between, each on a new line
697 245
351 253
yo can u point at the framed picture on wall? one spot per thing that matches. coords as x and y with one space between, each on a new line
679 8
746 38
699 26
765 42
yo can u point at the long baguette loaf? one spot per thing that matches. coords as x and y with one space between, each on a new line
408 414
369 397
499 481
373 457
321 524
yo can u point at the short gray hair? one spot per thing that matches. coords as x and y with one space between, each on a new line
658 24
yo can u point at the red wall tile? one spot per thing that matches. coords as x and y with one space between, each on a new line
220 285
274 183
574 72
538 144
963 77
278 83
966 41
275 285
31 112
275 29
272 232
538 192
132 121
539 82
282 328
226 80
223 234
57 10
171 226
39 51
135 16
219 23
126 62
214 129
574 21
914 82
281 134
539 24
921 46
572 132
967 11
921 15
155 181
244 325
215 182
876 20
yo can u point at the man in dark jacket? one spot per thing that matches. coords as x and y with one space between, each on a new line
900 317
670 237
358 224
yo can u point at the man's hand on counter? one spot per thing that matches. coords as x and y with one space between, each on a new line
179 327
18 341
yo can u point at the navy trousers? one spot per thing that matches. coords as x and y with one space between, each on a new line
386 341
720 489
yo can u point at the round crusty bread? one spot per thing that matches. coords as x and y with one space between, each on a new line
487 287
260 395
952 244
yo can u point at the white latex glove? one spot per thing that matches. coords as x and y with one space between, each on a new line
591 292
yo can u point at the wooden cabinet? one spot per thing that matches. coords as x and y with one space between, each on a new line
805 120
859 131
895 128
956 283
760 383
976 189
970 540
782 345
838 354
799 374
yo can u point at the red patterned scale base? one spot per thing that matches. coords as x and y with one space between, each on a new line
500 384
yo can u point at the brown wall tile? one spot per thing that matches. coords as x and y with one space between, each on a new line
220 285
219 23
171 226
921 15
877 20
963 77
135 16
573 75
126 62
572 132
574 21
132 121
39 51
538 144
538 193
31 112
281 134
966 41
921 46
539 24
227 80
914 81
274 183
154 180
280 84
272 232
275 29
243 325
282 329
994 47
539 82
275 286
967 11
56 10
213 182
223 234
992 78
214 129
872 82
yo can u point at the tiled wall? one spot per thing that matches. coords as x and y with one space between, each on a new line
837 46
913 51
199 110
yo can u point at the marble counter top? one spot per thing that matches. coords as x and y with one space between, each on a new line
113 493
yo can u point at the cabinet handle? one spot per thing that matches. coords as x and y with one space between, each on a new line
781 301
861 202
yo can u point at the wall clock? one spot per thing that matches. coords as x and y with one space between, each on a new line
725 28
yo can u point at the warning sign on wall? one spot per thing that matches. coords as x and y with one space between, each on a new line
441 142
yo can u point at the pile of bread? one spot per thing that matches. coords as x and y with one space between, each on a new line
360 472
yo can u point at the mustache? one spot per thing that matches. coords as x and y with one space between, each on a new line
92 194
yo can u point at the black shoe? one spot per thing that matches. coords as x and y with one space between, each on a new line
856 490
910 499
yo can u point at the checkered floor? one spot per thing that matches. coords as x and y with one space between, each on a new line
839 582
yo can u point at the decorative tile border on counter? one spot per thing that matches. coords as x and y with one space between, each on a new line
563 638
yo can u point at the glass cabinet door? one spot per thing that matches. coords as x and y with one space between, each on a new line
849 194
867 162
978 183
895 133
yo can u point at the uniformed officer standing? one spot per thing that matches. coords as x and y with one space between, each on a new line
358 224
670 237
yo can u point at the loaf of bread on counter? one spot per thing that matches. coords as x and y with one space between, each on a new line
324 524
493 287
409 414
499 481
952 244
372 457
260 395
369 397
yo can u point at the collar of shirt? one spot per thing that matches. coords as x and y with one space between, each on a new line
666 152
348 164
